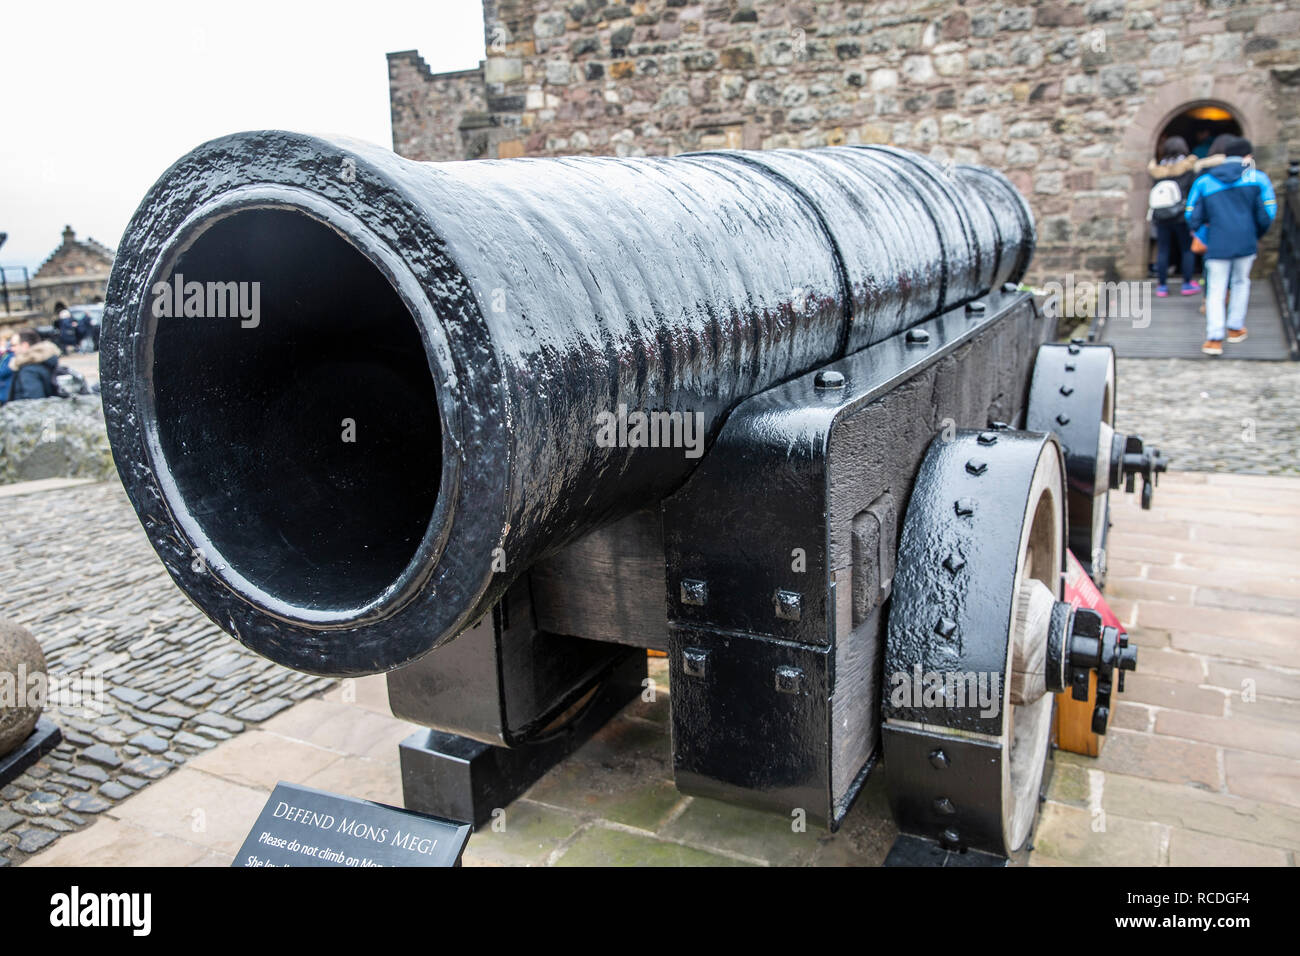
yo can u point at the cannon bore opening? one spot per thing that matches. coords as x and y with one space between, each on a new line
293 402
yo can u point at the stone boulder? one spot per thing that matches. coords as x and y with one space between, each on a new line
20 658
54 438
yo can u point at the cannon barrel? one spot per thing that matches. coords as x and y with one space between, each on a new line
352 397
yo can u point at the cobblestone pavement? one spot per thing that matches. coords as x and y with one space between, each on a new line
77 571
1226 416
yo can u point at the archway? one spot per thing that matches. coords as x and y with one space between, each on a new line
1236 94
1198 124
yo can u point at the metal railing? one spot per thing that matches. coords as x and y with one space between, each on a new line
1286 277
16 295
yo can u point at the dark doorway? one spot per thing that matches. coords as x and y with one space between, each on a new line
1199 126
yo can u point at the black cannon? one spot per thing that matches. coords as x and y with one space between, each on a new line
496 427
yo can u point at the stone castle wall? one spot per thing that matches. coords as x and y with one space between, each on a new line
433 113
1065 96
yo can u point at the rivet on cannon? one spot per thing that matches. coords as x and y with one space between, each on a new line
695 662
964 507
1072 349
789 605
918 337
1010 287
829 378
1062 419
938 760
1070 366
694 592
951 838
975 308
987 438
789 680
954 563
944 806
1067 389
946 628
977 466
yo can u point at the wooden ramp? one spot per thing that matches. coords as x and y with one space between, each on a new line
1177 328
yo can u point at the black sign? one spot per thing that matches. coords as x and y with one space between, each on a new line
300 826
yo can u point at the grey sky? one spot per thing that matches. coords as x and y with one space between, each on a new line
100 98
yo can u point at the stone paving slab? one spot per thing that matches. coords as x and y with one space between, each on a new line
1202 764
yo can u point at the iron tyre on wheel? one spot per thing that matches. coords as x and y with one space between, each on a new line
967 713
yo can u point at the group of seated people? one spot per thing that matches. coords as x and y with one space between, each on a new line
27 367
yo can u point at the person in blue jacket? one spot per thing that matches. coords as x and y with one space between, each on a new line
6 366
1230 207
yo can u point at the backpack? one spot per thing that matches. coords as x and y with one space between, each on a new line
1165 201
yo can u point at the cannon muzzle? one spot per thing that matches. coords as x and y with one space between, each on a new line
353 397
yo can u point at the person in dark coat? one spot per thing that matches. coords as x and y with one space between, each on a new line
33 365
66 326
86 334
1177 169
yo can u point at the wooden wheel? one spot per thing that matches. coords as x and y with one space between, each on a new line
1072 395
978 578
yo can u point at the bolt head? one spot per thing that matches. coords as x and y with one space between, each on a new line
954 563
938 760
695 662
694 592
975 308
829 378
987 438
977 466
789 605
918 337
964 506
788 680
1062 419
1067 389
945 628
944 806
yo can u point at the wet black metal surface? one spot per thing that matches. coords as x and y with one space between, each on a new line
954 589
45 736
466 779
755 643
544 293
